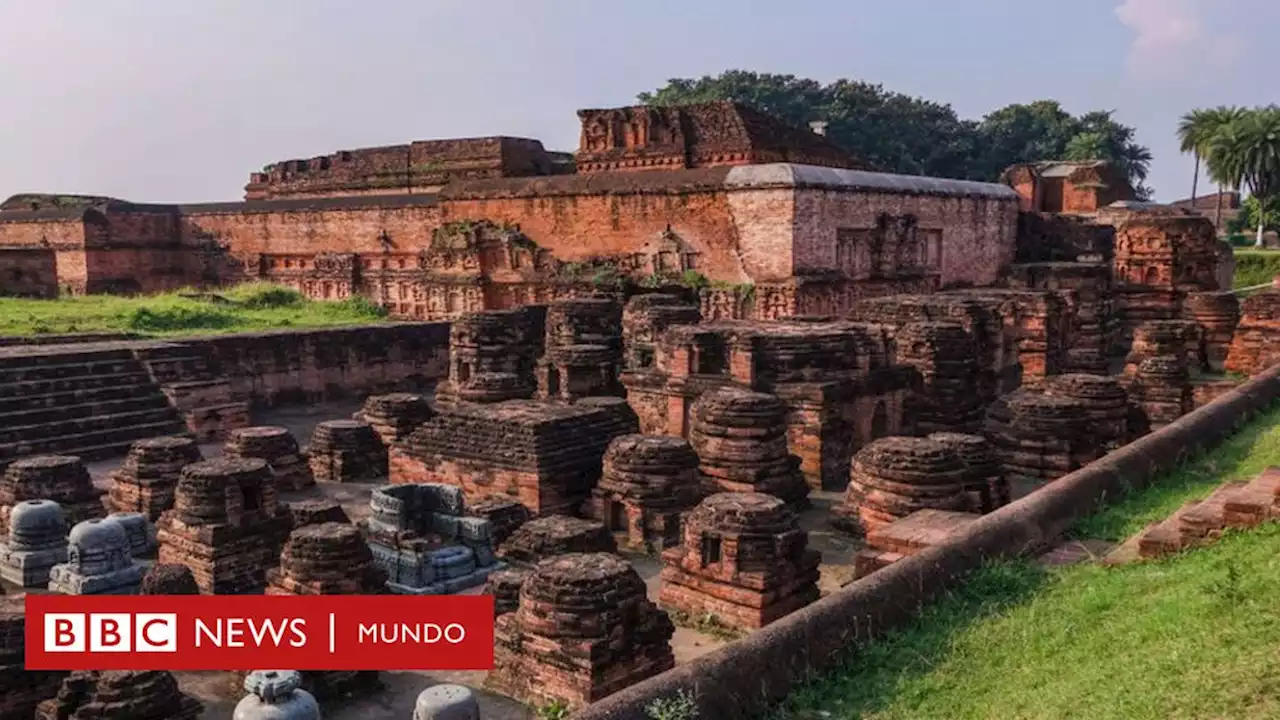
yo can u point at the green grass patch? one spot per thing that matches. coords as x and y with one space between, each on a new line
247 308
1255 267
1194 636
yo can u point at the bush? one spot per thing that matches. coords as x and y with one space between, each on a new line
264 296
1255 268
360 306
178 317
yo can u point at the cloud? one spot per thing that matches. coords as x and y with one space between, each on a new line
1171 33
1165 29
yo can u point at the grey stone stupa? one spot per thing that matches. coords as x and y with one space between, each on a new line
99 562
37 541
276 695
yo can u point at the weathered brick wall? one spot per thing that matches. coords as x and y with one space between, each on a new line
251 230
313 365
978 234
28 272
580 227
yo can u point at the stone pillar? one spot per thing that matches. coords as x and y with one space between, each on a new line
60 478
346 451
741 441
648 481
896 476
277 446
99 562
276 695
146 480
37 542
744 560
584 630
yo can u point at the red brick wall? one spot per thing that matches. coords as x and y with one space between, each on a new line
579 227
314 231
29 272
1079 200
978 234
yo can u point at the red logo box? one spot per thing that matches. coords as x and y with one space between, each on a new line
250 632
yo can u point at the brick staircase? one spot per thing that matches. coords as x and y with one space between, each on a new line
1232 505
190 377
90 402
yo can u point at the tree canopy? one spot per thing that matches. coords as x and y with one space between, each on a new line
898 133
1241 149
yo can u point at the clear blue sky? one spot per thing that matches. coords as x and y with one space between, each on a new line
178 100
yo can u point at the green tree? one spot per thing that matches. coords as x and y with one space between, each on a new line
894 132
1244 153
1196 132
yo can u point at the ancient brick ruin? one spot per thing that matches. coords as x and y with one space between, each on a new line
21 690
895 476
226 525
741 440
169 579
277 446
547 537
744 560
491 357
393 417
908 536
329 559
347 451
838 387
583 630
62 479
583 350
423 541
546 456
120 695
1256 337
149 474
647 483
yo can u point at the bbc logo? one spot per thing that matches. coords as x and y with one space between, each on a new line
110 632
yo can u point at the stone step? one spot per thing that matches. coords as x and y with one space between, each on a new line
176 369
79 426
13 361
71 384
94 445
65 398
54 368
143 397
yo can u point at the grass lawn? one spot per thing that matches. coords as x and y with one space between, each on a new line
1255 267
1194 636
254 306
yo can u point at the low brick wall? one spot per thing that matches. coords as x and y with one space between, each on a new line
299 366
747 676
64 339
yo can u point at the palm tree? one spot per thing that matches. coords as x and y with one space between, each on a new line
1196 132
1245 153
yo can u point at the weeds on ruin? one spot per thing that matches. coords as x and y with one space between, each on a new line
683 706
554 710
705 623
